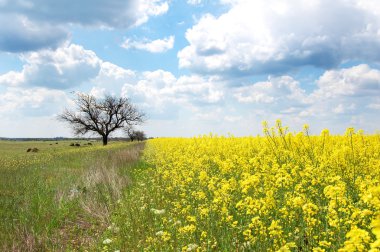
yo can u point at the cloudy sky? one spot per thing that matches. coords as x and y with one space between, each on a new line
194 66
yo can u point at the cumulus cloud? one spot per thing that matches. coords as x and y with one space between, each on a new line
112 13
109 70
275 90
43 24
360 80
153 46
275 37
148 8
160 91
346 91
110 79
342 97
31 101
63 68
21 34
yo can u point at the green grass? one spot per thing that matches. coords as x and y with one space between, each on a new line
126 230
60 197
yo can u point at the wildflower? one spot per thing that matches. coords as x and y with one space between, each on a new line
158 211
113 228
188 229
107 241
325 132
191 218
375 224
192 247
165 236
159 233
246 245
357 240
318 249
203 234
325 244
287 247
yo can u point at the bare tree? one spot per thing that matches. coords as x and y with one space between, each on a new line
140 135
130 132
101 116
135 134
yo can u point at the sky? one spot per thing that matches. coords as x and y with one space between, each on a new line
193 66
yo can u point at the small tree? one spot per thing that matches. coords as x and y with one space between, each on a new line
130 132
140 135
135 134
101 116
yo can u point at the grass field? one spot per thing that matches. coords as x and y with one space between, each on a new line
278 192
60 197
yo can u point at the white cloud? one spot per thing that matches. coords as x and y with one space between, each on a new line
109 70
66 67
111 78
233 119
275 90
111 13
347 91
42 24
148 8
213 101
194 2
255 93
33 126
360 80
33 101
98 92
12 78
374 106
273 37
22 34
153 46
342 98
160 91
341 109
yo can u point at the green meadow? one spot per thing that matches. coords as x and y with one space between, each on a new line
57 197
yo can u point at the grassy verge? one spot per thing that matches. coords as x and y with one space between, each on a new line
60 197
133 215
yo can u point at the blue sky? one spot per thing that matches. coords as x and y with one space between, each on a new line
193 66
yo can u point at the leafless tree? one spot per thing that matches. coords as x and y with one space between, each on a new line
135 134
130 132
140 135
101 116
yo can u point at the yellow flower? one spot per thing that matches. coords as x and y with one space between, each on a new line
187 229
358 240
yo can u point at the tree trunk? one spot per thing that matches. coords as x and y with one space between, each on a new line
105 140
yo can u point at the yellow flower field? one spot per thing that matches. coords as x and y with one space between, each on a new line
278 192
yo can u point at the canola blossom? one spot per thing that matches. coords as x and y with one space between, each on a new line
277 192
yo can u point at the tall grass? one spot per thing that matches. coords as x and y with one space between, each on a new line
60 197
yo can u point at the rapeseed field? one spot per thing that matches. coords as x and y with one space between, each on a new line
281 191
